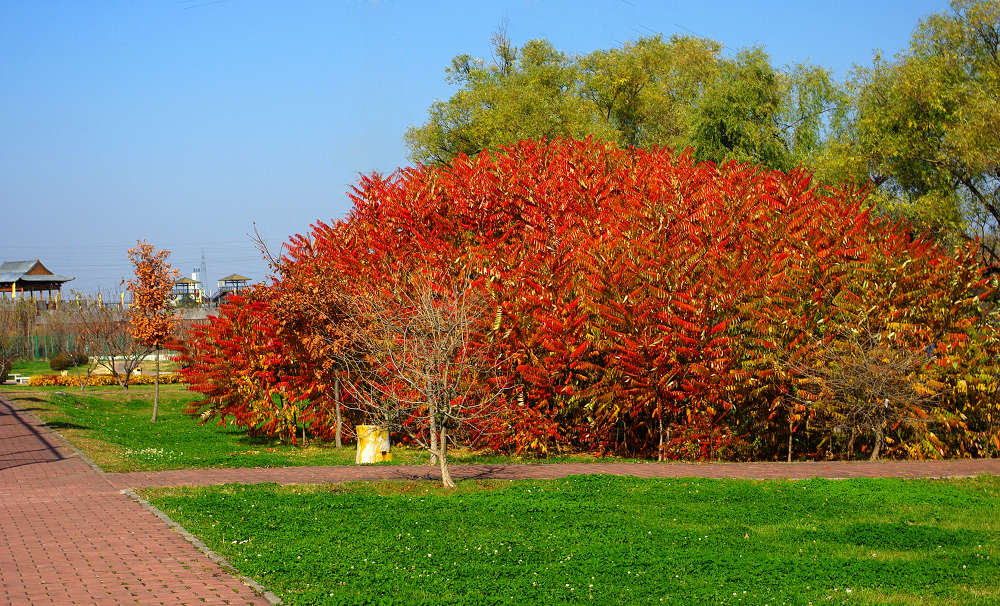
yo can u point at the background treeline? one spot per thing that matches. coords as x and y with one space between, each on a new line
923 126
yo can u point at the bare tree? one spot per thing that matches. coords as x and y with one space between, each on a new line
415 367
105 330
75 341
864 383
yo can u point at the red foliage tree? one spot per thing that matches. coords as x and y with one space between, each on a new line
639 302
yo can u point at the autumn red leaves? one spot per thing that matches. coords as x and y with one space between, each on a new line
631 302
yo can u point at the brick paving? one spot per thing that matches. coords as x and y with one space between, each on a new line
68 536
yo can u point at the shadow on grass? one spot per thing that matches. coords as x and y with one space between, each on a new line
30 399
64 425
244 439
905 536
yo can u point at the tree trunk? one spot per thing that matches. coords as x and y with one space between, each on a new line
877 448
659 448
156 385
336 403
791 427
82 380
443 459
434 437
850 444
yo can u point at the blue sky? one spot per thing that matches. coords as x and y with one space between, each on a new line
184 122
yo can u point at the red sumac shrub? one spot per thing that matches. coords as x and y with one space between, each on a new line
640 303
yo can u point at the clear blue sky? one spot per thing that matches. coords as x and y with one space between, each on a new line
184 122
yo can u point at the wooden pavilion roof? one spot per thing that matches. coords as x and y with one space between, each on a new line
30 275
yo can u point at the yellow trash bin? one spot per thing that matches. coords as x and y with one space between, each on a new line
373 444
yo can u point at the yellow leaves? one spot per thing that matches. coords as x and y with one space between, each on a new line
150 318
922 390
98 380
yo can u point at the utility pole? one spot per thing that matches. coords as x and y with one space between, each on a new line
204 276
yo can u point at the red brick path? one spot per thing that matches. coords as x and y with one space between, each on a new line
67 536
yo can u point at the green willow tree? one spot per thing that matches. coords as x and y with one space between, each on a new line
755 113
647 90
525 93
924 127
678 93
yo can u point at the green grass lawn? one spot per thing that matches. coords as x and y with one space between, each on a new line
608 540
113 428
41 367
31 368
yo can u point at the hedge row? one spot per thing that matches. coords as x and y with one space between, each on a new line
98 380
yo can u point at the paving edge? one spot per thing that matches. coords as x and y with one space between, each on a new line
202 547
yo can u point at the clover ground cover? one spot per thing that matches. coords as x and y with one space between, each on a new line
608 540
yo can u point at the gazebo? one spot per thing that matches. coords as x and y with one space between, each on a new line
29 277
231 284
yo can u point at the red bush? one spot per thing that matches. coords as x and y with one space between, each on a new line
642 302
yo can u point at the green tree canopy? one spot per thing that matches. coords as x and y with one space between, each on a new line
925 126
525 93
679 93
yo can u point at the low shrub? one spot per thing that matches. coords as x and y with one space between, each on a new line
99 380
62 361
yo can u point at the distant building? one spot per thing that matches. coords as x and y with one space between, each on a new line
29 277
186 287
231 284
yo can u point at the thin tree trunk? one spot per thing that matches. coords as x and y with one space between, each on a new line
877 448
850 445
340 419
81 380
659 448
443 459
791 426
434 437
156 386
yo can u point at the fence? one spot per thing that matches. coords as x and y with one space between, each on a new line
39 347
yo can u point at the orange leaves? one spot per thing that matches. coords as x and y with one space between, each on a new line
151 319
